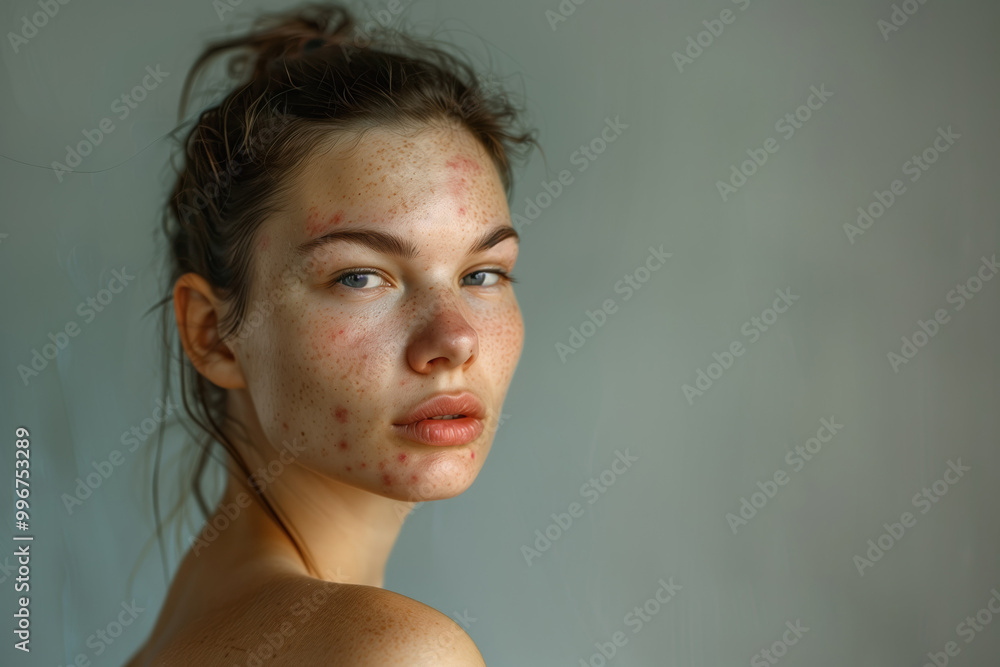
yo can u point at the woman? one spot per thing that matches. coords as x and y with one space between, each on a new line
341 251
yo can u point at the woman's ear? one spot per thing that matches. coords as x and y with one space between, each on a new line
198 313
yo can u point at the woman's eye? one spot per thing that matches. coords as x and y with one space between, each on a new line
359 280
490 278
366 279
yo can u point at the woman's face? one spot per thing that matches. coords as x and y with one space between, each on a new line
354 336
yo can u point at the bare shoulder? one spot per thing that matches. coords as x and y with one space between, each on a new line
295 620
376 627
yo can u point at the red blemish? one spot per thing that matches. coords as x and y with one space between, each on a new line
461 211
264 241
284 425
324 451
463 167
465 164
413 478
341 414
473 454
402 457
387 479
364 465
343 444
348 468
381 465
317 225
313 222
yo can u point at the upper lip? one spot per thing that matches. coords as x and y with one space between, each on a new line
441 405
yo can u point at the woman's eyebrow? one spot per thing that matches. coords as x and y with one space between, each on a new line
396 246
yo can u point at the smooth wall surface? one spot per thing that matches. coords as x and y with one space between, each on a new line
761 311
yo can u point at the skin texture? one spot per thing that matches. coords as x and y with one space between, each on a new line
328 370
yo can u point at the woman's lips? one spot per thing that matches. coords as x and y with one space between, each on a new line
442 432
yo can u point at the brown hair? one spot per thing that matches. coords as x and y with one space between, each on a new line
299 78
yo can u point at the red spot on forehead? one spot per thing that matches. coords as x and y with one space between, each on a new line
463 163
317 222
402 457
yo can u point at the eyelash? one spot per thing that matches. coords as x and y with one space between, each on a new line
505 277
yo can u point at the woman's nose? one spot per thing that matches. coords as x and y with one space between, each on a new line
443 338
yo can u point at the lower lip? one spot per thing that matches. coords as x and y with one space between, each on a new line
442 432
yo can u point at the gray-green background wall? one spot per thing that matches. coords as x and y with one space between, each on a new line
797 554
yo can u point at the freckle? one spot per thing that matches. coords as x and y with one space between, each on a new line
324 451
343 444
341 414
402 457
284 425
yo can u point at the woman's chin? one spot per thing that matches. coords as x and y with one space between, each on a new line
437 480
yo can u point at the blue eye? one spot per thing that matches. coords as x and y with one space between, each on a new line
499 275
354 277
360 279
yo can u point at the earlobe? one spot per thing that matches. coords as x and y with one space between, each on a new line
197 310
